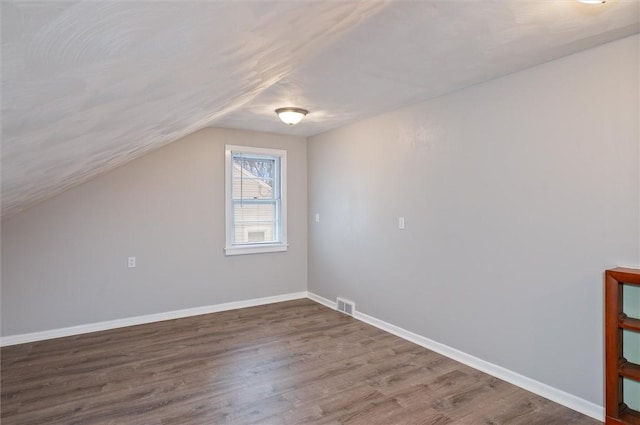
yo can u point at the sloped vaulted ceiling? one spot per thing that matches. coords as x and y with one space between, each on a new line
88 86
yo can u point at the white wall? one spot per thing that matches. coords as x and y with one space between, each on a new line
517 194
64 261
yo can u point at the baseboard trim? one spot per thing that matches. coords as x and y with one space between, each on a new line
321 300
149 318
561 397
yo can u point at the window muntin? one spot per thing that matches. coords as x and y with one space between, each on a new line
256 200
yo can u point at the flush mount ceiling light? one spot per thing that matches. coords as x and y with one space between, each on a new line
593 1
291 115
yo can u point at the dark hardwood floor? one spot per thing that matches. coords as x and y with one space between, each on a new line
288 363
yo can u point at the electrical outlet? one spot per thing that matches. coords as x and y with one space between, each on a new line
317 218
131 262
401 223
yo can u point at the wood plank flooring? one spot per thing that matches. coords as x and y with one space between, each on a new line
288 363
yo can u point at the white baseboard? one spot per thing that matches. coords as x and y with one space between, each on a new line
321 300
561 397
149 318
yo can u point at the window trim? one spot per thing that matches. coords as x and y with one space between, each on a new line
254 248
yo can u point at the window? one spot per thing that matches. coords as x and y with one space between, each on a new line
256 200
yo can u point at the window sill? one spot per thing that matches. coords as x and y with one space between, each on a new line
255 249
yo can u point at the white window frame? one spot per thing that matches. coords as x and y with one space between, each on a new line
254 248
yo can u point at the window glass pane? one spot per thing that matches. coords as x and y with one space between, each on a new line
254 177
255 222
251 188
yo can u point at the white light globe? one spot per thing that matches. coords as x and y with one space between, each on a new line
291 116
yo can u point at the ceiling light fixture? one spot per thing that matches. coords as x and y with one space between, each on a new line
291 116
593 1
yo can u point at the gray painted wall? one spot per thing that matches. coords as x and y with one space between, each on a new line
64 261
517 194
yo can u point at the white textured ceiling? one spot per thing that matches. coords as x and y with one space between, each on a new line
88 86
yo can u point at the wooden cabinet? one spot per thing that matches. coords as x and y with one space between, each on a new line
616 366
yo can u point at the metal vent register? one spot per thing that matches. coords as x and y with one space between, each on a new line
346 306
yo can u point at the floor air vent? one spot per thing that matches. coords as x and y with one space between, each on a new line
346 306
